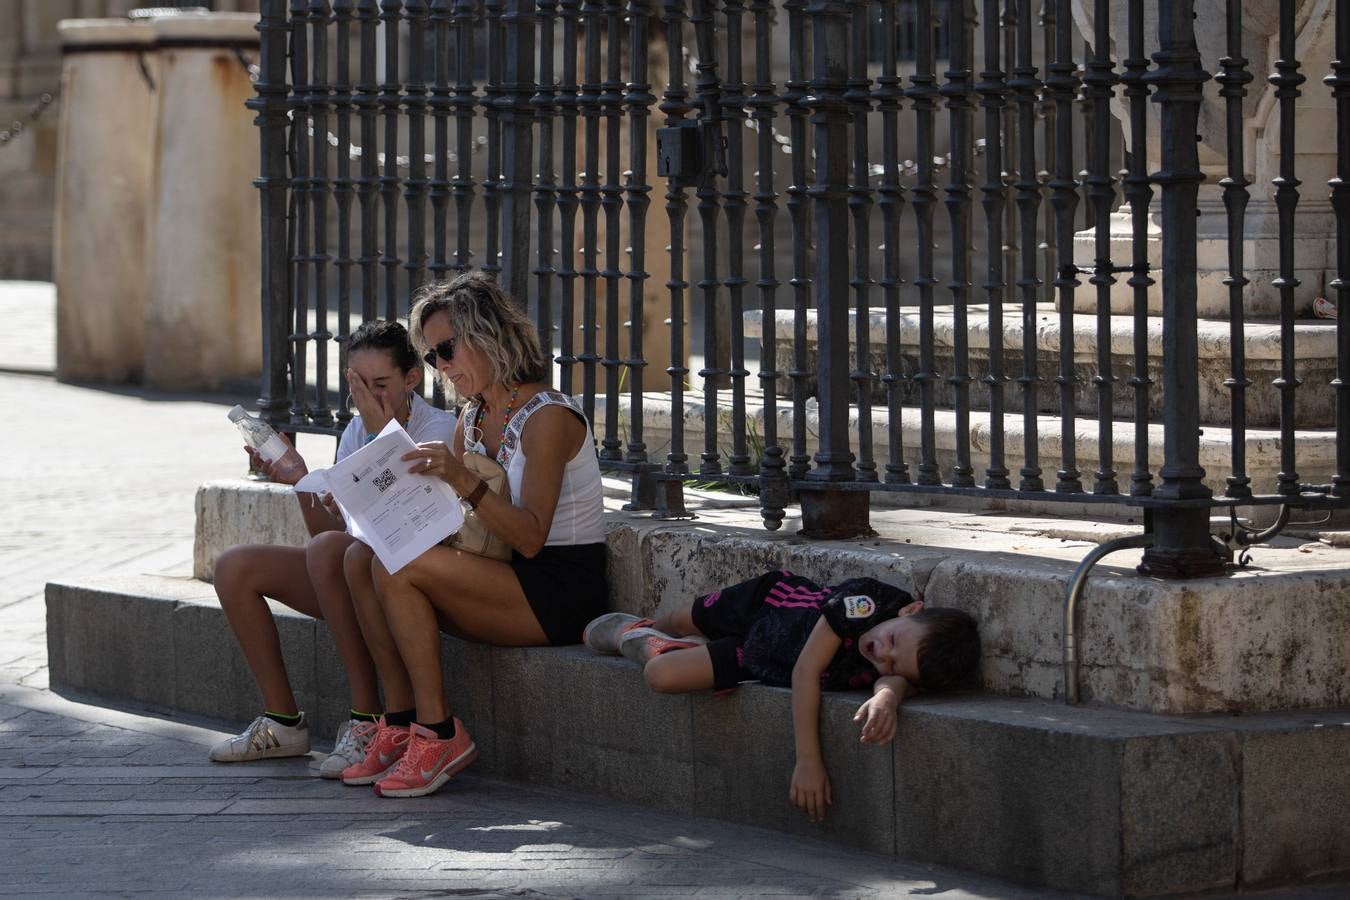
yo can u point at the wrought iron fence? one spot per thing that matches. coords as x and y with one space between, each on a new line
408 141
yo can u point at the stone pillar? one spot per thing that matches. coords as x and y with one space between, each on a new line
202 323
105 168
1316 142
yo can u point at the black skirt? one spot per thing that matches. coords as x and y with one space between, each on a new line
567 586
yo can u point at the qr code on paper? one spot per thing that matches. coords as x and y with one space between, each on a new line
384 481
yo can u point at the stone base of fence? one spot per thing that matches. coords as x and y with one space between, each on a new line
1274 636
1083 799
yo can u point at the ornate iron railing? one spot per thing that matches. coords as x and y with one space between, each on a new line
407 141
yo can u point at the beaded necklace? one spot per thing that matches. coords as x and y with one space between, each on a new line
506 421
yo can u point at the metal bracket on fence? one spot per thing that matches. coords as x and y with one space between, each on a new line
670 500
679 150
644 491
1240 539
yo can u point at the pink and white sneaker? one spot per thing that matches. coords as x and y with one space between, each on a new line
429 763
383 753
641 645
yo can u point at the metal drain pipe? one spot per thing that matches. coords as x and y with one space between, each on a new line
1075 591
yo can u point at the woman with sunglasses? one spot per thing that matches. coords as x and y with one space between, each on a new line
487 353
383 374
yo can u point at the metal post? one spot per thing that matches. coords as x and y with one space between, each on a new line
545 187
344 192
957 94
611 204
675 105
638 99
1140 195
831 513
390 103
736 112
860 201
1339 81
1234 79
1098 83
319 102
1287 80
794 97
1061 86
715 359
517 124
1182 546
416 186
773 484
270 106
889 94
1025 87
993 91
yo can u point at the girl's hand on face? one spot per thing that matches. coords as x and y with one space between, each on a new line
287 470
376 411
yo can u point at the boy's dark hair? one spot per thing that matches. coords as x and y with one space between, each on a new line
949 653
382 334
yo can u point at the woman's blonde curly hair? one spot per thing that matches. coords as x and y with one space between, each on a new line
487 318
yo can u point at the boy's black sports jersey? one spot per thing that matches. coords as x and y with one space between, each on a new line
774 614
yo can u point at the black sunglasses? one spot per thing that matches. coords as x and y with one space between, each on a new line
445 350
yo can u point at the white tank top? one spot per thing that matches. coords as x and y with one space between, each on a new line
579 515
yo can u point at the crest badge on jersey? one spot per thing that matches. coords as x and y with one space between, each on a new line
859 607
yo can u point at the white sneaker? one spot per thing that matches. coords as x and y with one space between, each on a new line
353 740
264 738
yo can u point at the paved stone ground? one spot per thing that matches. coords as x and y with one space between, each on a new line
95 801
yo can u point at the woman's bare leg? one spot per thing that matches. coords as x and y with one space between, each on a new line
243 576
478 598
398 690
324 561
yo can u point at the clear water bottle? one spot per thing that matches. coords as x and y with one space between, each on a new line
259 435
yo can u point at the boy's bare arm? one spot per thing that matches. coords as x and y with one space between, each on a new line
810 783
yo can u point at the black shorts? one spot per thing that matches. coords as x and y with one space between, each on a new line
567 586
756 629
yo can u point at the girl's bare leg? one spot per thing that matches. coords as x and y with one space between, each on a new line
324 561
243 576
356 564
478 598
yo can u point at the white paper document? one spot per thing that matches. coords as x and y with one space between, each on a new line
399 514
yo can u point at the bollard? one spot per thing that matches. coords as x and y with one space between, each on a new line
202 326
104 178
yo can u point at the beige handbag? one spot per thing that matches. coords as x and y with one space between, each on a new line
474 536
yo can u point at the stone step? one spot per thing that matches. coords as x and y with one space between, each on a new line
1082 799
1314 348
1316 461
1272 636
